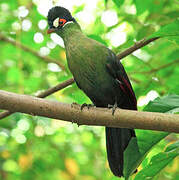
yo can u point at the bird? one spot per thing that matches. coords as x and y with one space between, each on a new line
100 75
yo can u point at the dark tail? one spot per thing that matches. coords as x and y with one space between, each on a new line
117 140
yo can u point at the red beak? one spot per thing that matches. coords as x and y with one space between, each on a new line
51 30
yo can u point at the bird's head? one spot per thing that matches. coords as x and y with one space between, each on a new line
58 18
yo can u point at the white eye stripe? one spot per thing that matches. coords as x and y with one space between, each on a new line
56 22
69 22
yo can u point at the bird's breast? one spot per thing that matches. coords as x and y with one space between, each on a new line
88 66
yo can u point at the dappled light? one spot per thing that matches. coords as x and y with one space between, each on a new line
38 37
145 34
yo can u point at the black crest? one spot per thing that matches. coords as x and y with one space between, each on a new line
60 12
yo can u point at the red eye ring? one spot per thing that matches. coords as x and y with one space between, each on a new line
62 22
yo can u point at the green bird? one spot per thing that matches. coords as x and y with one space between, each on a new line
99 74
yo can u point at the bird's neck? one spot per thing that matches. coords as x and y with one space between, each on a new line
70 31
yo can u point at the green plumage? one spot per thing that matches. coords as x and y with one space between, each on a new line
87 60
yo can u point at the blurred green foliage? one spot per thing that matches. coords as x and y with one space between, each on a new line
43 149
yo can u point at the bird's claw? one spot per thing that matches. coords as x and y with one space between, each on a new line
74 104
86 105
114 107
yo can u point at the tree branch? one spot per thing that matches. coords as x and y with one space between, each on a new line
27 49
136 46
157 69
94 116
121 55
43 94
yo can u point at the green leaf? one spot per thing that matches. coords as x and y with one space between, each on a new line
145 31
163 104
174 111
141 7
148 5
169 31
105 2
118 3
78 9
159 162
24 3
138 149
172 146
14 75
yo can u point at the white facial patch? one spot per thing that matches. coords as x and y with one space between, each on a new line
56 22
69 22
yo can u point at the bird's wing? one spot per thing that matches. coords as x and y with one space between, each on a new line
116 70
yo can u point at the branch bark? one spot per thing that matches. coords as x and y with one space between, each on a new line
43 94
93 116
136 46
27 49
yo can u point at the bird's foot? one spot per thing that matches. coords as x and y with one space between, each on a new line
74 104
114 107
86 105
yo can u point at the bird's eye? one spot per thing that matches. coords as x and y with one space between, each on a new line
56 22
59 22
62 22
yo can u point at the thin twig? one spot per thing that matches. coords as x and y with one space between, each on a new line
156 69
163 66
92 116
55 88
136 46
137 81
27 49
44 94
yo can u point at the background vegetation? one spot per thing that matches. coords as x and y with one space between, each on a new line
43 149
